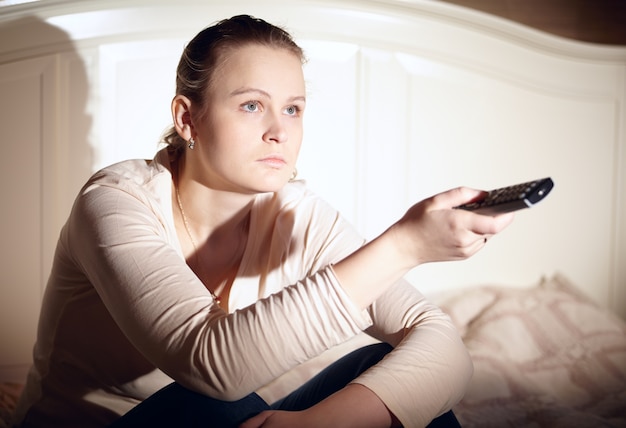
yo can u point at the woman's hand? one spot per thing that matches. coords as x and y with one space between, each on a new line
354 405
430 231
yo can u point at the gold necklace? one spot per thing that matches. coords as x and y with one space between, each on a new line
193 241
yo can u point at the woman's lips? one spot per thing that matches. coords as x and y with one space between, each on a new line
274 161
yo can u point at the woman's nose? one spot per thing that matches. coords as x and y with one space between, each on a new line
276 130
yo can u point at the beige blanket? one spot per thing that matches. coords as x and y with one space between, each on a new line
544 356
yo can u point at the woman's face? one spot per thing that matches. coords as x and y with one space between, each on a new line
250 132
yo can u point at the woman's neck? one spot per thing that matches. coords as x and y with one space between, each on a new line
210 214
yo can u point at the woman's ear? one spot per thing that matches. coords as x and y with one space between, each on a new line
181 114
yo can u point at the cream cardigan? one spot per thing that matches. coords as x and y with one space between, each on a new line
123 315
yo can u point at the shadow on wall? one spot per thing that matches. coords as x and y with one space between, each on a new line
65 98
44 94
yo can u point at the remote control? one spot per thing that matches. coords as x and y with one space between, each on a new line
511 198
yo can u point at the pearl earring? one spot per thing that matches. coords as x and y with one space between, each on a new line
192 143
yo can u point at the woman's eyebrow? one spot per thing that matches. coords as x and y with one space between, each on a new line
247 90
298 98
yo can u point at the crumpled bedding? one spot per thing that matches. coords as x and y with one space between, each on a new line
9 394
544 356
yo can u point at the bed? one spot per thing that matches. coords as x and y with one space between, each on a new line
410 97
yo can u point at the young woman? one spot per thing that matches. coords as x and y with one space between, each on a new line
182 285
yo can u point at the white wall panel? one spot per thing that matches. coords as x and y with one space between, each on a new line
383 140
135 86
328 155
26 88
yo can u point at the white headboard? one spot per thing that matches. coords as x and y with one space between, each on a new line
406 99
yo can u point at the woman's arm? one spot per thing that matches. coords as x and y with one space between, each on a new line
424 376
120 242
352 406
428 371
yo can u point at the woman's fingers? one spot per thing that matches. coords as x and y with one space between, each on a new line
480 224
455 197
486 225
434 230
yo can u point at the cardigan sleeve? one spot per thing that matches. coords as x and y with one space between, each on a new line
429 369
120 243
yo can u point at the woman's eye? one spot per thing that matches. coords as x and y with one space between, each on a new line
251 106
292 110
